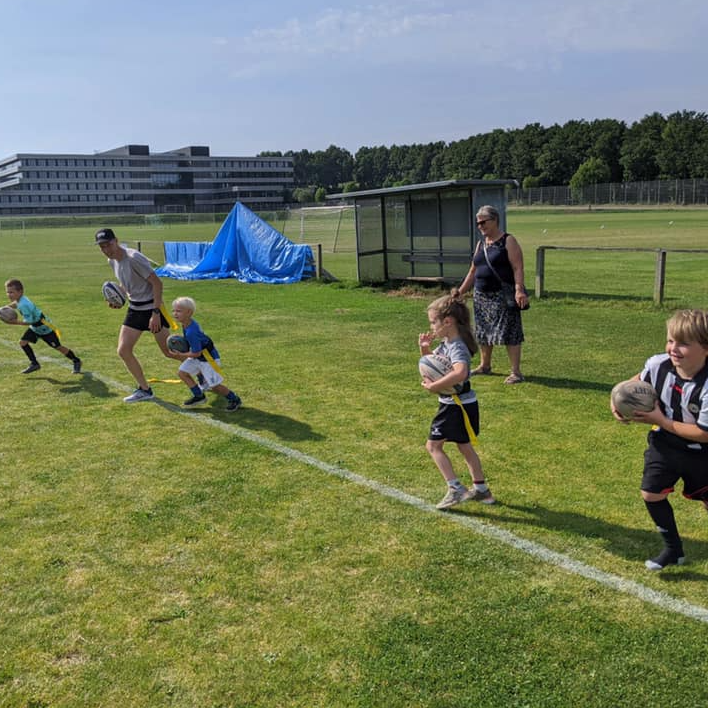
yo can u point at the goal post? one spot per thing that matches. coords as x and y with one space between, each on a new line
332 226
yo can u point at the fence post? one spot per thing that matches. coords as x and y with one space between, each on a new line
540 270
318 262
659 276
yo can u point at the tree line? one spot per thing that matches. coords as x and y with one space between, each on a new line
577 153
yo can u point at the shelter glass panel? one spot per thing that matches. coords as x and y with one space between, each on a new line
371 268
396 210
424 215
455 214
369 226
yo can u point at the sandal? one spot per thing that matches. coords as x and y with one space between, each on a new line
484 370
514 379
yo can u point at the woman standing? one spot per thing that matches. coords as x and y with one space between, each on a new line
498 258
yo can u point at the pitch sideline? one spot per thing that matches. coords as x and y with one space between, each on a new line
531 548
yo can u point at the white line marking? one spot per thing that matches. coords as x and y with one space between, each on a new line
531 548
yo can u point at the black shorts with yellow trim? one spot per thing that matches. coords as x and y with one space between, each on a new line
50 338
449 423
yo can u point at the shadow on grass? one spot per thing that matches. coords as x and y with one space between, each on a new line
623 541
251 419
85 382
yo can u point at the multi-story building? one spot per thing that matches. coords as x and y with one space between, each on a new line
131 179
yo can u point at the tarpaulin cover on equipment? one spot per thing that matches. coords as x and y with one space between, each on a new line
246 248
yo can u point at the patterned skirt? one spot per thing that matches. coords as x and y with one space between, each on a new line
494 322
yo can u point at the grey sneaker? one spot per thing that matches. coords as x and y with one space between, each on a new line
139 395
195 400
666 557
484 497
34 366
452 498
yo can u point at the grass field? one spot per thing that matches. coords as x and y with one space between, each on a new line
290 554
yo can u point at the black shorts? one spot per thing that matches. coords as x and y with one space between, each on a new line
140 319
50 338
449 424
665 464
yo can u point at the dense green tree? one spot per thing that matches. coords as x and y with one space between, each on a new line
684 142
673 147
640 147
593 171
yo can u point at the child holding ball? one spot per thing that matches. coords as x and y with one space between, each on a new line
38 327
456 420
202 359
678 441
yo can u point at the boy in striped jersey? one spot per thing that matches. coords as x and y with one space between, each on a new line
678 441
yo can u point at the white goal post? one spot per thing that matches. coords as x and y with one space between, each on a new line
315 221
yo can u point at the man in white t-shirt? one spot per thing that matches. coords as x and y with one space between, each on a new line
144 291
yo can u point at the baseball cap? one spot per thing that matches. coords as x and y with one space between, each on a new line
105 235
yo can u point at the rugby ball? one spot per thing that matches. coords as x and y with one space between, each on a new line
8 314
434 367
177 343
112 294
633 395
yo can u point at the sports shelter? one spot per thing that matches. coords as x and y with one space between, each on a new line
246 248
421 232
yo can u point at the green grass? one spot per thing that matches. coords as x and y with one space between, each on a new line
152 558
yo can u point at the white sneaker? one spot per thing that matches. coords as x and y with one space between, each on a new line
452 498
139 395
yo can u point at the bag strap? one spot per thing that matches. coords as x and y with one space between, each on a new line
491 267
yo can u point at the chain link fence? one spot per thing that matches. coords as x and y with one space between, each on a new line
673 192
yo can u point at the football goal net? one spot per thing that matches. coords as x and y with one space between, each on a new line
331 226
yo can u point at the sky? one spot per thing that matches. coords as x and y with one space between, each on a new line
81 76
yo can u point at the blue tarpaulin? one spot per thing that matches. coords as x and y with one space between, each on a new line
246 248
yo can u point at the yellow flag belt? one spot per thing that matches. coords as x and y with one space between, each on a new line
468 425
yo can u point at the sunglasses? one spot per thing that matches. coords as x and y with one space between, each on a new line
482 222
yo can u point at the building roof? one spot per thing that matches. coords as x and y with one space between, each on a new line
427 187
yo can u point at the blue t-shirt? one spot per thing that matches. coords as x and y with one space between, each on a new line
199 341
456 351
31 313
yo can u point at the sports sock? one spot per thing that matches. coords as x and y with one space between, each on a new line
231 396
454 483
196 391
481 486
27 349
71 355
662 515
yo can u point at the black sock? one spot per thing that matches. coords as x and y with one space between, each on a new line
27 349
662 515
72 356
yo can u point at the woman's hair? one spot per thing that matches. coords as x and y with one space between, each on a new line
689 326
489 211
454 306
186 303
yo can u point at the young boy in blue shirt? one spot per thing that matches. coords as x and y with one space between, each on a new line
38 327
678 441
201 362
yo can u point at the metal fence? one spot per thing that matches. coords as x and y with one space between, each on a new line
672 192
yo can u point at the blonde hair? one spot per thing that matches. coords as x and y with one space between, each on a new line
186 303
689 326
454 306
